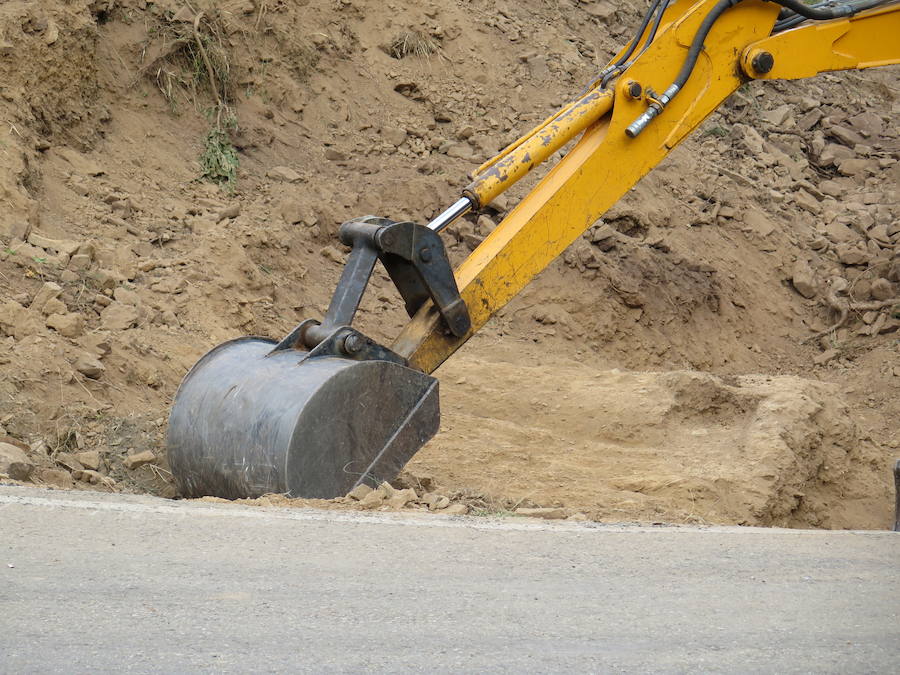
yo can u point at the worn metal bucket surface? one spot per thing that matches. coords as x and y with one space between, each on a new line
248 421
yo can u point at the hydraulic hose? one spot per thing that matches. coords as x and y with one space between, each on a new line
657 105
614 67
697 45
640 31
816 13
621 67
789 18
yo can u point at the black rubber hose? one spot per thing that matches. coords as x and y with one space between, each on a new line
640 31
817 13
803 10
788 18
614 67
652 36
655 29
790 22
699 38
656 107
806 11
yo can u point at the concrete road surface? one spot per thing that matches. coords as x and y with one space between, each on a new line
94 583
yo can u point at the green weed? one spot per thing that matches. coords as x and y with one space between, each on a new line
715 132
219 160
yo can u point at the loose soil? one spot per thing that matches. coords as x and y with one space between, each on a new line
661 370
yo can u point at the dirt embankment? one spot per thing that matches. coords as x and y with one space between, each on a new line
665 368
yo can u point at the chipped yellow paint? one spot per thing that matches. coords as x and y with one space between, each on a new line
497 176
515 161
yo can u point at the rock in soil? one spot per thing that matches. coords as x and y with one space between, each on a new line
89 459
882 289
456 510
804 279
436 502
47 292
229 212
373 499
139 459
359 492
14 462
68 325
93 478
56 477
89 366
401 498
827 356
118 317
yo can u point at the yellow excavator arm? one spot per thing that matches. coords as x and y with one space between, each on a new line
615 151
327 408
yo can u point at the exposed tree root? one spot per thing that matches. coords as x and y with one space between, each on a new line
842 305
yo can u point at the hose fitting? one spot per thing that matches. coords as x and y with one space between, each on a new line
656 107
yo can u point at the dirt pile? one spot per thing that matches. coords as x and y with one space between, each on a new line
618 445
774 225
672 447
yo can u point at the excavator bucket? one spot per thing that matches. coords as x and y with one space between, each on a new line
251 419
327 408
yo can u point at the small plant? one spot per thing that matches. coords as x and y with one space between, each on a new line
9 251
715 132
219 161
194 58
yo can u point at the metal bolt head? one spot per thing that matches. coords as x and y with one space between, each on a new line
425 254
763 62
633 89
353 344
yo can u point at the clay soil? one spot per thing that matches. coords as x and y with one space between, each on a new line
661 370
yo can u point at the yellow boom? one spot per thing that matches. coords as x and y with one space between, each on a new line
606 162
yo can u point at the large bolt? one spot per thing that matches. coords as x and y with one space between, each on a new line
425 254
353 344
762 63
633 89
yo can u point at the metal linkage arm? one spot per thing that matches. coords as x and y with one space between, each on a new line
417 263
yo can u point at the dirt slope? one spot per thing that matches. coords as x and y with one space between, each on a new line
675 327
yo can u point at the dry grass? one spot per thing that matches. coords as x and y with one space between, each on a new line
413 43
190 63
187 59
